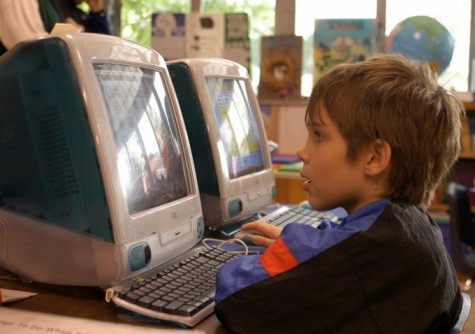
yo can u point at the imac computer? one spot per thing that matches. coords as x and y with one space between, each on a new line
227 138
97 182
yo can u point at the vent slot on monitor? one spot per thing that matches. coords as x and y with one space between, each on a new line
58 165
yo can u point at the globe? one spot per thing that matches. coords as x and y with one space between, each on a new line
422 38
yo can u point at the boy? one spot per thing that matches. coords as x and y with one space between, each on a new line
381 136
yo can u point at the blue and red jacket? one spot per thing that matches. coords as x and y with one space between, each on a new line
383 269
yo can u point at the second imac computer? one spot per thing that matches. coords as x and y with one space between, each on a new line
227 138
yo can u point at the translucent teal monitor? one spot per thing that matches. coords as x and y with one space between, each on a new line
227 138
97 182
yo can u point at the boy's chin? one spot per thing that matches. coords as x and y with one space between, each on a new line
313 204
318 205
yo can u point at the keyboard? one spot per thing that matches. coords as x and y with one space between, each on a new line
299 214
182 293
283 216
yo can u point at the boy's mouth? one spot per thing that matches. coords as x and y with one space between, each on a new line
306 180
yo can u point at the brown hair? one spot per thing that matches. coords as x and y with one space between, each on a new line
397 100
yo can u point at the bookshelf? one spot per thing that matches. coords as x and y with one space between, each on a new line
464 170
468 132
285 125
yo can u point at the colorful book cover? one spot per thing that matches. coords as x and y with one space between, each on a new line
338 41
295 167
281 67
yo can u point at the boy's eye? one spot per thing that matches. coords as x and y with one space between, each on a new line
317 135
315 132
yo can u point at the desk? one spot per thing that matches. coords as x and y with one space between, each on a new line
83 302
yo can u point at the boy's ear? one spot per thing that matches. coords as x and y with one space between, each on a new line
379 157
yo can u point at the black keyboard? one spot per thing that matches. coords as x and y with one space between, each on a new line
182 293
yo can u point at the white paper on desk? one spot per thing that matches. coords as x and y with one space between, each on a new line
14 321
64 27
9 296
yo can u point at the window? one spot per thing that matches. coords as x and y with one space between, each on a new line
261 23
456 18
136 17
136 25
136 20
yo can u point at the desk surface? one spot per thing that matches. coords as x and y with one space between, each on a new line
83 302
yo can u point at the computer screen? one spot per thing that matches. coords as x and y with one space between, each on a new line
97 178
150 165
227 137
238 126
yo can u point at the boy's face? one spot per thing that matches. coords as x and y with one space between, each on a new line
332 180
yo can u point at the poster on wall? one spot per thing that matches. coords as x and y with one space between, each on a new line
281 67
338 41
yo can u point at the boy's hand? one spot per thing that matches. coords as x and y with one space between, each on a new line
262 234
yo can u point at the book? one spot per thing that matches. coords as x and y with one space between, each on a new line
337 41
285 158
281 67
295 167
